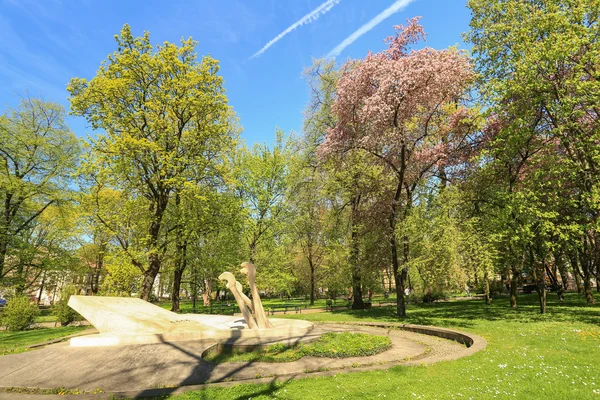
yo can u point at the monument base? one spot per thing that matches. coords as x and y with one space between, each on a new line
127 321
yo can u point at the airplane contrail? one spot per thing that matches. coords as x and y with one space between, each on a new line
307 19
394 8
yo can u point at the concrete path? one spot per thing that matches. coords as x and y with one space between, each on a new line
128 368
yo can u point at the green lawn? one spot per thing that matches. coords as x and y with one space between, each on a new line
529 356
186 305
17 342
332 345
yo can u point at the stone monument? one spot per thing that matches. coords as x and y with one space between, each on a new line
126 321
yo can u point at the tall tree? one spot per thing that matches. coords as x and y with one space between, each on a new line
262 180
539 65
38 152
401 107
163 115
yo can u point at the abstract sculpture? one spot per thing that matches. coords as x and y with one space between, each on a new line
232 285
261 319
243 296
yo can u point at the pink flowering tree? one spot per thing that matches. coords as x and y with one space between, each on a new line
403 107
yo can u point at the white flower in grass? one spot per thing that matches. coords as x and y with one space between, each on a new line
502 366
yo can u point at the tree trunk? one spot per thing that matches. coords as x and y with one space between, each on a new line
3 250
20 285
576 272
96 272
312 281
541 289
540 285
154 259
587 286
177 274
150 276
400 276
586 271
357 301
486 289
514 282
206 293
180 264
39 299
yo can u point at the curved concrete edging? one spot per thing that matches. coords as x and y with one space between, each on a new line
473 343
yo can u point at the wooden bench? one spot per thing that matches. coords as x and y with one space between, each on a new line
285 307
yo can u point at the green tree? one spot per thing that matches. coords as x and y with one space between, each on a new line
38 152
539 69
262 181
163 117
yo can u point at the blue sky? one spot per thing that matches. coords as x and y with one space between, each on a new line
45 43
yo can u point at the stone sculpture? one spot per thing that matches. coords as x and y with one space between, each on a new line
232 285
261 319
244 297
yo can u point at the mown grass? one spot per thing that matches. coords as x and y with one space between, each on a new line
18 342
186 305
333 345
529 356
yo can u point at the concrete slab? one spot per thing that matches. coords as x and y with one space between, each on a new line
129 321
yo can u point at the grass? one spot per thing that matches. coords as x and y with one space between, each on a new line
18 342
529 356
333 345
186 305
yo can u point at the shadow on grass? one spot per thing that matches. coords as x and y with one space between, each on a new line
464 313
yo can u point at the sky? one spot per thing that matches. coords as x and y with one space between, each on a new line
263 46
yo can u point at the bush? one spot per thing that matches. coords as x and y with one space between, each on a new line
434 295
62 311
497 288
19 314
413 298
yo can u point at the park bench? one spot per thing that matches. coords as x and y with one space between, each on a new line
285 307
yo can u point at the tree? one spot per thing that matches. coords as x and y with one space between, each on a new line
164 117
539 67
402 109
38 152
262 181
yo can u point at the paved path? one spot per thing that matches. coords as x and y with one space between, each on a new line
140 367
160 369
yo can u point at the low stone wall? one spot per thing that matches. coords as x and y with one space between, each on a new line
474 343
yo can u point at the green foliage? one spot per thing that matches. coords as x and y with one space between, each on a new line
19 314
434 295
331 345
38 153
166 127
62 311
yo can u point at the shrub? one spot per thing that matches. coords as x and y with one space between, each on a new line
62 311
19 314
497 288
434 295
414 298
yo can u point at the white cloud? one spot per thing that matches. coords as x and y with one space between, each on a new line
307 19
394 8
